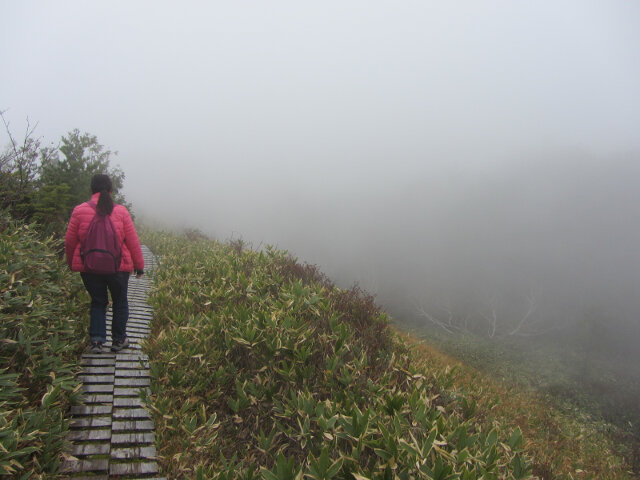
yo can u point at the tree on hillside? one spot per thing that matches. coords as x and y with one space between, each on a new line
66 176
43 183
82 157
20 170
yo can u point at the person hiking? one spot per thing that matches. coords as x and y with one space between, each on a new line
117 227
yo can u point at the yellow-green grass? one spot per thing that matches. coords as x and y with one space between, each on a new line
42 308
262 368
562 442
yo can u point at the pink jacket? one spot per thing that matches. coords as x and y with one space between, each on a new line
77 231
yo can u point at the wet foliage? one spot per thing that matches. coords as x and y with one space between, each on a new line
42 306
563 441
262 368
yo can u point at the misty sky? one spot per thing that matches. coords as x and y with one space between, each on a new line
420 148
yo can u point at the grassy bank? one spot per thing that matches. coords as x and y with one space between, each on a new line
562 440
42 305
605 401
262 368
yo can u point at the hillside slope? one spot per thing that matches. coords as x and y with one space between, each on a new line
262 368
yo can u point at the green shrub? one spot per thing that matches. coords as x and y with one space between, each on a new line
40 334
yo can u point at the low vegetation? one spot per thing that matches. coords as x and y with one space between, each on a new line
564 441
41 332
42 183
263 369
43 306
579 384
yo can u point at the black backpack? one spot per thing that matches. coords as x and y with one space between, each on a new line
100 251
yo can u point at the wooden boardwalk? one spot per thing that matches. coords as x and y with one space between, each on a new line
112 434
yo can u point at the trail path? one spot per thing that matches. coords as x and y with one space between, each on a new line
112 434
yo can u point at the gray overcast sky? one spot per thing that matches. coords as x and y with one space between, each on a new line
429 141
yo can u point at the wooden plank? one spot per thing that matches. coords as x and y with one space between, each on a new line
86 465
87 449
139 322
134 452
132 425
104 354
137 335
97 398
132 382
139 327
79 410
110 370
131 365
126 413
138 468
98 477
127 402
95 379
132 357
89 435
129 392
98 361
97 388
90 422
132 438
131 373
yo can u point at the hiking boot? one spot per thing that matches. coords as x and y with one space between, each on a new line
96 347
118 345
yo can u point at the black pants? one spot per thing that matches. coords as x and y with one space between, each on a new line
97 286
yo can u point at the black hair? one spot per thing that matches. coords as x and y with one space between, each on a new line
102 183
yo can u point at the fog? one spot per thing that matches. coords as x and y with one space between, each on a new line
434 152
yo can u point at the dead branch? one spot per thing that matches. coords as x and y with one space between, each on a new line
529 312
447 327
